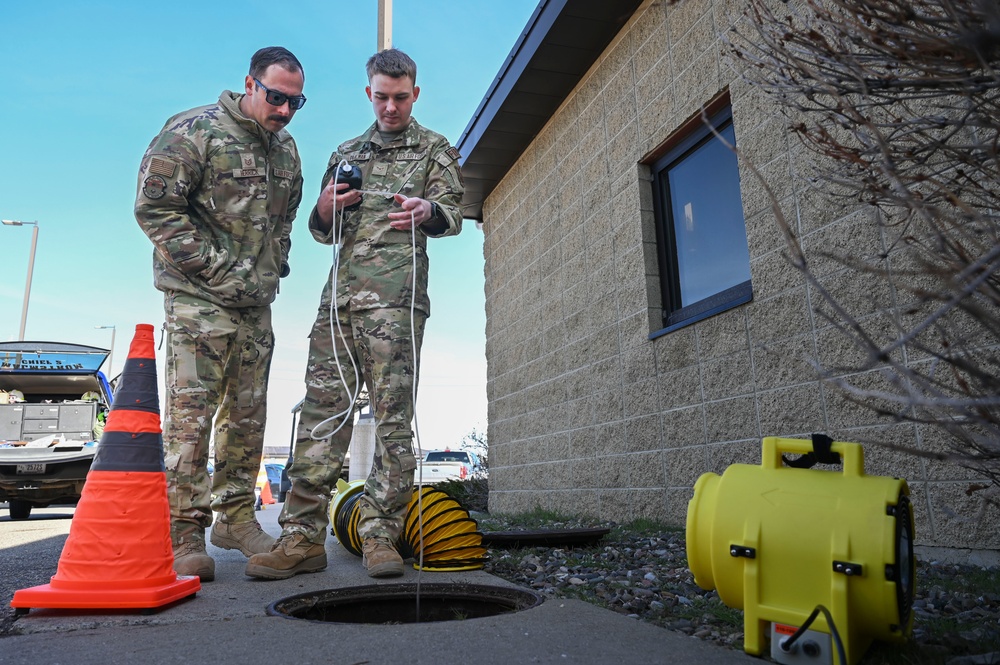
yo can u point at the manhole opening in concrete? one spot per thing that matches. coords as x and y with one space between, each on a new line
397 603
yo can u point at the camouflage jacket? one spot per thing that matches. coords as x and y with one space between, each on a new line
376 260
217 196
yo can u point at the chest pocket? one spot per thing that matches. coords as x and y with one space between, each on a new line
240 177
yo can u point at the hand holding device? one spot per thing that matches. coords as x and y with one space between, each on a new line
350 174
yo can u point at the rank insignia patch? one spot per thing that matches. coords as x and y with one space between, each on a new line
154 187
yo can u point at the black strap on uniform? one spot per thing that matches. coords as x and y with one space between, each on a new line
822 454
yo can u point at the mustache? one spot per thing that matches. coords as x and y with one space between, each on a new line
279 119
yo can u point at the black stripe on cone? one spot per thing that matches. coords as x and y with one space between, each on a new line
124 451
137 388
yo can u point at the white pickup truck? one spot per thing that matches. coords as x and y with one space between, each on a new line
441 465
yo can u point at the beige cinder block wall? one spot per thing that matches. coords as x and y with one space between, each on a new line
587 415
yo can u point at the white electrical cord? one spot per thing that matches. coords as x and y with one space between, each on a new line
336 234
335 328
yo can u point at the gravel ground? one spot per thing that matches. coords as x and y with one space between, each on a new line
643 573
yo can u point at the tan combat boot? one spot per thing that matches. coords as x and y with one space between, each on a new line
292 554
381 558
190 559
246 537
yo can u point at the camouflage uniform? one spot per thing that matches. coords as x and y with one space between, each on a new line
373 306
217 196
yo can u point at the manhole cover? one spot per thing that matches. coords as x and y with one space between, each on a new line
544 537
397 603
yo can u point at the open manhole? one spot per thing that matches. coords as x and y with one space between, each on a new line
397 603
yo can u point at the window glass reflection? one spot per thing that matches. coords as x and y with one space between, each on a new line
709 233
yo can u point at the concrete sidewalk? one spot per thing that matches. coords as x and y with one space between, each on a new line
227 622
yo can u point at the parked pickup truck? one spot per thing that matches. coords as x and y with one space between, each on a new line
53 401
441 465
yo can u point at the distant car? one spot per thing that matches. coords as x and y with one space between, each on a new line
53 399
285 486
270 473
274 477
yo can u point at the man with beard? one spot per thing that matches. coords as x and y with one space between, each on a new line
218 190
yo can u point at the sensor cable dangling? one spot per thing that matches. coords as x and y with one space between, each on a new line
353 178
337 233
416 426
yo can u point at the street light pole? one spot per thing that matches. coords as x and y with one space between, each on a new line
111 356
31 268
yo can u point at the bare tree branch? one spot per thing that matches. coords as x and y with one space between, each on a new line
899 103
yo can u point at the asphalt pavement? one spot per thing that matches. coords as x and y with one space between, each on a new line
227 620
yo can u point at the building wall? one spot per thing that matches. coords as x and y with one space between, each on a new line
587 415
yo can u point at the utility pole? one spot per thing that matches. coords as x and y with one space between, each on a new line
111 354
31 268
384 25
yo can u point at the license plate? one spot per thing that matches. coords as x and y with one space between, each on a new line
25 469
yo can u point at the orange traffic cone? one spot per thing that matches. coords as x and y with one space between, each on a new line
266 496
118 553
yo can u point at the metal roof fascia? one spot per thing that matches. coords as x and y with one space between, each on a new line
541 21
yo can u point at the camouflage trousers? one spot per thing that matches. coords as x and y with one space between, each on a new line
379 341
217 366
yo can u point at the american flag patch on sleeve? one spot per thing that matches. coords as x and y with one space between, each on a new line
162 167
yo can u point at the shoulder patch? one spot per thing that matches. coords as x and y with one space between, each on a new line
154 187
453 153
160 166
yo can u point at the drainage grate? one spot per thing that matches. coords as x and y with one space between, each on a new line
397 603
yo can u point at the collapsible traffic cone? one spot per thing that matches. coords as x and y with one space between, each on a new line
118 553
266 496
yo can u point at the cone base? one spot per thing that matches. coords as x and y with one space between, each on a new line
48 597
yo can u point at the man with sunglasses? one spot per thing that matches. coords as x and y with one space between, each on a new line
413 188
218 190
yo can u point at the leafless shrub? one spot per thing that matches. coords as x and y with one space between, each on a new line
899 103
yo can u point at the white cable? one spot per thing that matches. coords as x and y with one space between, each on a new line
337 233
337 237
416 427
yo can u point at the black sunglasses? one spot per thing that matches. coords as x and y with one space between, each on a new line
275 98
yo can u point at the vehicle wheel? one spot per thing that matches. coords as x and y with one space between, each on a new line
19 510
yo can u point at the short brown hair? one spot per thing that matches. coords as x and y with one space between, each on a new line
392 62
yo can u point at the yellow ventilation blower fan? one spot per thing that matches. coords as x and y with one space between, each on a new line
451 540
819 561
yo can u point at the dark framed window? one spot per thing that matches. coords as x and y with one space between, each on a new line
701 235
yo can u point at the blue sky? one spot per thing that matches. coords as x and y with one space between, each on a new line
88 86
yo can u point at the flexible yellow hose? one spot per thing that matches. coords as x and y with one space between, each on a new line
451 539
